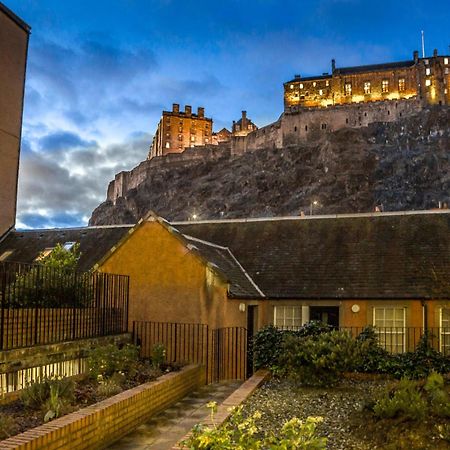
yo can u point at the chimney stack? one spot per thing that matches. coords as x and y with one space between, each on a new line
333 65
416 56
200 112
188 110
176 108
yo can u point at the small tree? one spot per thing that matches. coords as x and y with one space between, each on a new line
54 282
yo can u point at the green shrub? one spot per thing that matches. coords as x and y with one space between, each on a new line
37 394
240 433
106 360
373 357
404 401
8 426
438 396
268 342
319 360
158 355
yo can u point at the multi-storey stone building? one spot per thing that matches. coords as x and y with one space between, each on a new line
14 34
178 130
243 126
426 78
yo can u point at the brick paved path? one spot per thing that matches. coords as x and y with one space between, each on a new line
164 430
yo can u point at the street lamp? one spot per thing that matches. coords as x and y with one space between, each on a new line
314 203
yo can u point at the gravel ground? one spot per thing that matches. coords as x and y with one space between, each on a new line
347 422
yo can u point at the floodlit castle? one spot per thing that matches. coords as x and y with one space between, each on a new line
346 97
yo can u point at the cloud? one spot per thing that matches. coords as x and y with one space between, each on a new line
62 187
62 140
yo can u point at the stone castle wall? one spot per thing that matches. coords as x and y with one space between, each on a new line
298 126
124 181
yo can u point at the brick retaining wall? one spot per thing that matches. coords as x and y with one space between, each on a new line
105 422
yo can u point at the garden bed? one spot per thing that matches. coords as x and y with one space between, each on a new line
348 422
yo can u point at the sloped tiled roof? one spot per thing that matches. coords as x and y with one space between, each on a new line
386 256
241 285
94 242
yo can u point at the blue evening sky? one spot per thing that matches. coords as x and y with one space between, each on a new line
101 71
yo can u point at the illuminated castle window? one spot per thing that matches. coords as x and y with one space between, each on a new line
427 82
367 87
348 88
167 144
427 71
401 85
385 86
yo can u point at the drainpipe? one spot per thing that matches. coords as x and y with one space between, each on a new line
425 316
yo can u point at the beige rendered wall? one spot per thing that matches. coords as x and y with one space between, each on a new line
13 55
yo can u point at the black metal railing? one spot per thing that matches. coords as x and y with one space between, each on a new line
43 305
399 339
222 351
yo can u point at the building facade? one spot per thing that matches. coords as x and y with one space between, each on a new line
178 130
426 78
14 35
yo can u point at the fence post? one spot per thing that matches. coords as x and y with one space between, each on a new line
36 300
3 294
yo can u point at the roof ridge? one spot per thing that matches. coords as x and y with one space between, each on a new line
317 217
192 238
246 273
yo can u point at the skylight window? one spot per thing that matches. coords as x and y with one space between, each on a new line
69 245
6 255
44 253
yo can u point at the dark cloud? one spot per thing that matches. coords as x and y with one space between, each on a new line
62 140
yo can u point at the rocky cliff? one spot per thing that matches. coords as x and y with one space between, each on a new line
401 165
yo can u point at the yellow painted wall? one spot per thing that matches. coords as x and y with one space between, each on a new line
168 283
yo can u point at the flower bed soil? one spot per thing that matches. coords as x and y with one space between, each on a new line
21 418
348 422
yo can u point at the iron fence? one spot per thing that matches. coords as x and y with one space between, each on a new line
43 305
222 351
398 339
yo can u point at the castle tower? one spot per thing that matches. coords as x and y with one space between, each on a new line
243 126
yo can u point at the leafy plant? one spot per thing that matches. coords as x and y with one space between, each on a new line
373 357
53 404
106 360
158 355
8 426
108 388
404 401
36 395
244 434
319 360
438 396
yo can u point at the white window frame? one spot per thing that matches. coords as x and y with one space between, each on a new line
444 330
279 314
383 332
367 87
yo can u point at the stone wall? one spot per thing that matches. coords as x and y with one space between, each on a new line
100 425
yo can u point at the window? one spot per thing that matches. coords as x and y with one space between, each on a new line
348 88
287 316
428 82
249 127
401 85
327 83
444 331
301 85
385 86
314 84
6 255
446 71
192 138
320 92
427 71
44 253
367 87
68 245
167 144
390 328
180 137
445 61
291 86
324 126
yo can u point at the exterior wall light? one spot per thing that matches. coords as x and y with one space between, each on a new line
355 308
242 307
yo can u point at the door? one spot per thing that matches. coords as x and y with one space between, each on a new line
252 328
325 314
